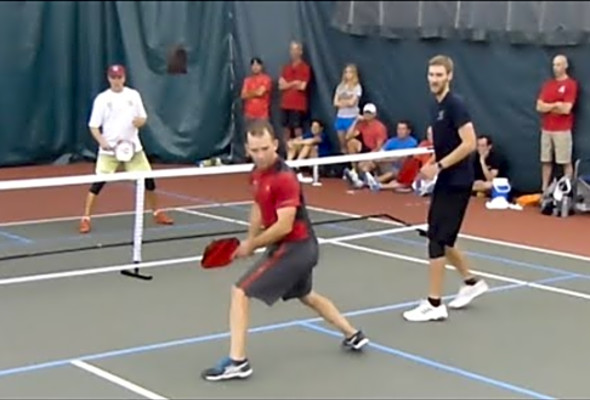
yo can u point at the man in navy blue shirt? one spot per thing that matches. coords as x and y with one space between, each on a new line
454 145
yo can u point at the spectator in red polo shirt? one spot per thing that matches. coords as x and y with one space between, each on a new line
293 83
555 103
256 92
365 135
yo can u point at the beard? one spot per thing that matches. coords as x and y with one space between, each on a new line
438 89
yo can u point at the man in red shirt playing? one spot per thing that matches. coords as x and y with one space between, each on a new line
555 103
293 86
278 221
256 92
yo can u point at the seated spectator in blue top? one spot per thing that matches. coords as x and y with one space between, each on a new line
312 144
387 169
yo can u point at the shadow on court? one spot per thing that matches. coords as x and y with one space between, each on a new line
108 336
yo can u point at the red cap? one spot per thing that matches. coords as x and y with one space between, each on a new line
116 71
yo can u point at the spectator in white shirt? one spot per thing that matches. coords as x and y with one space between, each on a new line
346 100
119 111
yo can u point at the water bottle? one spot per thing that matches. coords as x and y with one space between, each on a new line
565 207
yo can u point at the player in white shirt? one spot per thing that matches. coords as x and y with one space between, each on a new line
119 111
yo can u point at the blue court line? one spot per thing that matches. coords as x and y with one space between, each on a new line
179 196
223 335
18 238
213 224
436 365
394 238
418 243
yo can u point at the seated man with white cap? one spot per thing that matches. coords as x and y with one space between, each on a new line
119 111
366 134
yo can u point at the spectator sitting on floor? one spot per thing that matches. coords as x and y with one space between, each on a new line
408 171
487 166
388 169
367 134
314 143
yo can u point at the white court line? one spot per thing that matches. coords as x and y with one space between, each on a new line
502 278
169 262
340 242
465 236
337 241
96 271
117 214
117 380
526 247
355 236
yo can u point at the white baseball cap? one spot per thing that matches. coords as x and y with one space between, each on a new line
370 108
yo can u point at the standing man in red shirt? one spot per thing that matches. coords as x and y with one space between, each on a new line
256 92
293 84
278 221
555 103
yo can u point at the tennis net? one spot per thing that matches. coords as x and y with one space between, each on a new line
38 228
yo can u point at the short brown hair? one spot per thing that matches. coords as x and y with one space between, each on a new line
443 60
261 127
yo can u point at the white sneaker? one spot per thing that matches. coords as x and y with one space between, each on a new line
353 178
468 293
426 312
304 179
373 183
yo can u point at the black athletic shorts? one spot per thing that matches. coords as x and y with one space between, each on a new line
292 119
284 271
447 210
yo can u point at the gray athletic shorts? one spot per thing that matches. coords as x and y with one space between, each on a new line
284 271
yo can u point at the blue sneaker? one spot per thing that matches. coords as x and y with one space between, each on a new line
228 369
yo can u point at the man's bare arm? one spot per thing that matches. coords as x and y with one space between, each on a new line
278 230
489 174
352 131
284 85
467 146
255 222
97 135
562 108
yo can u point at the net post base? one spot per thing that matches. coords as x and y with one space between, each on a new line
316 176
134 273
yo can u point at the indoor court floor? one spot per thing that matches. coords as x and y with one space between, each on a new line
75 328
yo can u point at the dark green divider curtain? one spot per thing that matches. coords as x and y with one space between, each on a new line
54 58
500 81
54 55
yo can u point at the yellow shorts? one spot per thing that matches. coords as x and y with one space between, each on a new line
108 164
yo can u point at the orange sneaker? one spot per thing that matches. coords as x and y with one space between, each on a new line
85 225
161 218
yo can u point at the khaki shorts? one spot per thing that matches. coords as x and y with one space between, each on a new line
108 164
560 143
